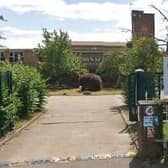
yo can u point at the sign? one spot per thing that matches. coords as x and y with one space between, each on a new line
165 76
148 121
149 111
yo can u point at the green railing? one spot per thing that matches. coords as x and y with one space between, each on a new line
5 82
142 86
5 92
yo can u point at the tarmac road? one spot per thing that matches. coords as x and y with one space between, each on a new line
73 126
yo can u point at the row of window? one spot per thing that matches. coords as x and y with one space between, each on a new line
14 57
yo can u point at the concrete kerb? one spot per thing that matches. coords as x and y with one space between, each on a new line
54 159
11 135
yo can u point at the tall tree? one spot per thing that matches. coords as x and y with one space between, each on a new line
57 57
118 64
146 54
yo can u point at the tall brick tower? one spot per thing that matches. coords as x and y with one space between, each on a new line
142 24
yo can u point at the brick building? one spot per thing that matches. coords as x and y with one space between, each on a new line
90 51
25 56
143 24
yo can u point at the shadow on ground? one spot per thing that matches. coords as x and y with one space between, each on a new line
137 163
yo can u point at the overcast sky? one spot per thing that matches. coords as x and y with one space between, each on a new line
91 20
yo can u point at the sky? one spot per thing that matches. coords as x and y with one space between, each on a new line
84 20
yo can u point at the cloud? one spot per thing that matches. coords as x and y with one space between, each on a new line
84 10
120 14
24 38
110 35
20 38
107 11
13 31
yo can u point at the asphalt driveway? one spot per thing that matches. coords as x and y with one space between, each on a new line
72 126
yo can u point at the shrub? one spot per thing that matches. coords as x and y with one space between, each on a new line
21 93
9 103
30 88
69 80
90 81
8 111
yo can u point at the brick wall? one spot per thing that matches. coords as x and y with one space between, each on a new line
142 24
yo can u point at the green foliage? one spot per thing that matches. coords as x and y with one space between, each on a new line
57 57
117 65
145 53
30 88
8 111
111 67
28 95
8 102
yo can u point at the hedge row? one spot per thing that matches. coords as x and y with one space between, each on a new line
28 95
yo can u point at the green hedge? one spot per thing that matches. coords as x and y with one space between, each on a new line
28 95
30 88
8 111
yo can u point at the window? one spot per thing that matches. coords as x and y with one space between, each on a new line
16 57
2 58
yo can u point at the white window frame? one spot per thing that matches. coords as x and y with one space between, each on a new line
17 57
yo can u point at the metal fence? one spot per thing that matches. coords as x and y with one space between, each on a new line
142 86
5 83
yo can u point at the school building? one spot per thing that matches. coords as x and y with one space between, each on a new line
91 52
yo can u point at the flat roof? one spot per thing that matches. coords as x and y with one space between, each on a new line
97 43
78 43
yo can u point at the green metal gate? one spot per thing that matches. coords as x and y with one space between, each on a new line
5 83
142 86
5 91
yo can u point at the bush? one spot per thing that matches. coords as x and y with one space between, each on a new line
69 80
30 88
8 111
21 93
65 81
90 81
9 102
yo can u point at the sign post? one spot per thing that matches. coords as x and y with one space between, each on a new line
149 127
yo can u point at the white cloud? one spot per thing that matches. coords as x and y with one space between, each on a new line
99 11
19 32
23 38
110 35
20 38
107 11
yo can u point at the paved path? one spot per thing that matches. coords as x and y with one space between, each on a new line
73 126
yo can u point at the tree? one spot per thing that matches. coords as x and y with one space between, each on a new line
2 19
58 60
146 54
117 65
110 70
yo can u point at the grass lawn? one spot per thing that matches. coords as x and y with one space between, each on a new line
77 92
